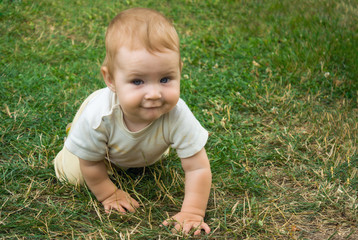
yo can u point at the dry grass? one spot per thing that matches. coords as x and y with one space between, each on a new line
276 89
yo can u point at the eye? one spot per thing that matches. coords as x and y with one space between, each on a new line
137 82
164 80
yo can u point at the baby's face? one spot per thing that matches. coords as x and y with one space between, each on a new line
147 85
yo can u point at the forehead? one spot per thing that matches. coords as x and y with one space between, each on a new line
133 59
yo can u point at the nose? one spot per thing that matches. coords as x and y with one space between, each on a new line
153 93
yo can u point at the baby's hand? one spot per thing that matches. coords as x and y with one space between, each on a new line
120 201
185 222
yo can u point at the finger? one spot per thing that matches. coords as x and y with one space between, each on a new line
130 204
196 228
177 227
197 232
187 228
202 226
107 209
119 208
165 223
134 203
169 222
129 207
206 228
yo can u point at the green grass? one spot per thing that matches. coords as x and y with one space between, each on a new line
275 83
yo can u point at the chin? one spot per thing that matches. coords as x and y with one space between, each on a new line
153 117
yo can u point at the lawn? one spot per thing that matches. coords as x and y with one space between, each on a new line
274 82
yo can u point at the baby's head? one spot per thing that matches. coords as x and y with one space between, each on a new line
138 28
142 65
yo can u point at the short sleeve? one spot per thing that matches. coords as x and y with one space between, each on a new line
187 135
87 140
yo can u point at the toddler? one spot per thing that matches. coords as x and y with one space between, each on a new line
136 118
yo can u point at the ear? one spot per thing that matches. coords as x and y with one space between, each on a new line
108 79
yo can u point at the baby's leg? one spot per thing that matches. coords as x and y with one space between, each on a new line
67 167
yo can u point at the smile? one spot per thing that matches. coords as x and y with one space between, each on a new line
152 107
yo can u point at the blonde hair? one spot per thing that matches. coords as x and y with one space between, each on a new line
136 28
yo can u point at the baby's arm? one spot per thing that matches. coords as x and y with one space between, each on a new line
197 190
97 180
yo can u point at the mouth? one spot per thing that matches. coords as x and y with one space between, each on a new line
151 107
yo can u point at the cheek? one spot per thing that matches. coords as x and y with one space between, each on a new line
127 99
173 96
176 91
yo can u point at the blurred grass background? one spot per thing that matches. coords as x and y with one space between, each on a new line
275 83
